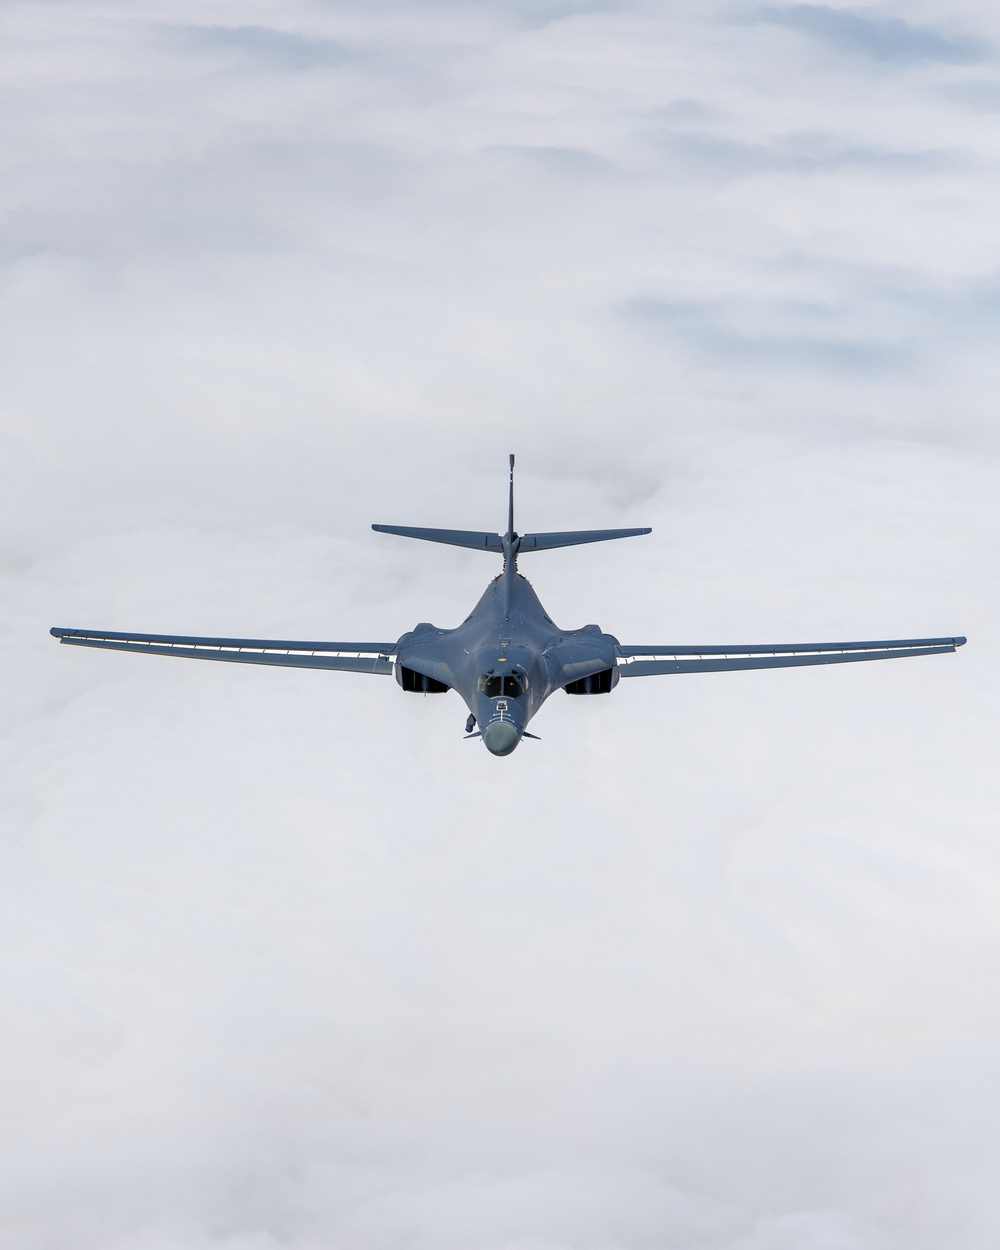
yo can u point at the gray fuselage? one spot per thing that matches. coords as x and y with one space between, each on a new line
505 659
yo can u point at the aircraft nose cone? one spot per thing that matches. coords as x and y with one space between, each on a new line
501 737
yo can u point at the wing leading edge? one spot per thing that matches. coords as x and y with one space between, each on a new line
351 657
652 661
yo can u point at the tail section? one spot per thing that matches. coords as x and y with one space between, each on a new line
510 545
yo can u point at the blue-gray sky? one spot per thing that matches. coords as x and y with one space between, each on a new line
286 964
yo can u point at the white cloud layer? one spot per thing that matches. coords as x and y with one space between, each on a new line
286 963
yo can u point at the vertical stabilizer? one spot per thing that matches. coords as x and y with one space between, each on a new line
509 548
510 502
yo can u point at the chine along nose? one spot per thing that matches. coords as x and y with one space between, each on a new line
501 737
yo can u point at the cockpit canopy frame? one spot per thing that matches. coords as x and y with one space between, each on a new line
510 685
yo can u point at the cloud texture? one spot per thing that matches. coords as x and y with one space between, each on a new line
286 963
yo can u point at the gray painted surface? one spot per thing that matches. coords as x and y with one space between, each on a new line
508 655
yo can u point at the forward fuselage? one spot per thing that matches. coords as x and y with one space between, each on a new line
505 659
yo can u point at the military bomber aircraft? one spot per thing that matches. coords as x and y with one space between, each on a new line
508 656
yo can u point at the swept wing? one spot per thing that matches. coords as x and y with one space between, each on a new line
351 657
653 660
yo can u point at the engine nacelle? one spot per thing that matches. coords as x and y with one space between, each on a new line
596 683
419 683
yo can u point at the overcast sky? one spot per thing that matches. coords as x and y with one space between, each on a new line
286 964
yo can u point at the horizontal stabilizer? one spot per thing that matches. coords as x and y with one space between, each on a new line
454 538
573 538
650 661
352 657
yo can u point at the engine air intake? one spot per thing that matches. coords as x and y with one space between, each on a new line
596 683
420 683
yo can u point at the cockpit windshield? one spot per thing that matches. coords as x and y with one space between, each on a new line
511 685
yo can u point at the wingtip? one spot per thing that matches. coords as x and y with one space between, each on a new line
960 642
